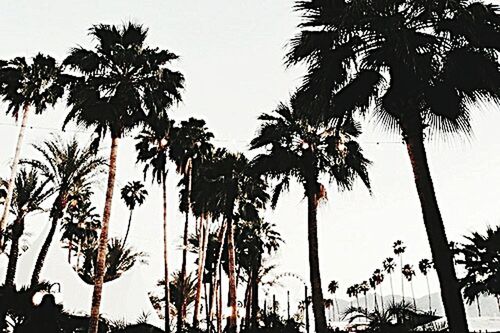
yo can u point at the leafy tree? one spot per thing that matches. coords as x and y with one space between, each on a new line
25 86
30 193
133 194
70 167
302 147
428 62
118 84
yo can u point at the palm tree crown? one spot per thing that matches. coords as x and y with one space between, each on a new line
133 194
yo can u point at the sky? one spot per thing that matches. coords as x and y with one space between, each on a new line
232 56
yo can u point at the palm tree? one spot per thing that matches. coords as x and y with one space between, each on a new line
241 193
133 194
409 273
425 265
399 248
302 147
30 192
120 259
364 287
378 278
389 266
70 168
333 286
190 145
480 258
120 82
353 291
26 86
440 59
152 151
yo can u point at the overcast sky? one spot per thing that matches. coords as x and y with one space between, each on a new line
231 53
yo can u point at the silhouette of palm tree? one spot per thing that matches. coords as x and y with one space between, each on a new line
409 273
425 265
389 266
133 194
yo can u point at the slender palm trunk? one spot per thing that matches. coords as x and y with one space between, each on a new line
103 239
165 255
413 295
203 239
392 289
219 301
336 305
428 292
317 292
70 248
441 253
182 302
55 214
366 302
478 307
128 227
381 298
17 232
255 298
402 277
13 173
233 318
248 302
218 273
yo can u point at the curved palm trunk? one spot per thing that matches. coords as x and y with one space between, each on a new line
17 232
128 227
181 313
233 318
55 214
441 253
13 173
317 292
103 239
201 265
165 256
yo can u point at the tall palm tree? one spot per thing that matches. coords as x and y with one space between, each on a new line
70 167
399 249
302 147
389 266
378 278
480 258
119 83
25 86
241 193
152 151
133 194
409 273
190 146
364 287
30 193
441 59
425 265
333 286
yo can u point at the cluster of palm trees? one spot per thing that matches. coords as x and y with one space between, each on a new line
388 267
419 66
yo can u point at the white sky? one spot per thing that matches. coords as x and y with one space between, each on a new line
232 57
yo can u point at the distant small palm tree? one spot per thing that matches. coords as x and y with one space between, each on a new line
30 192
25 86
333 286
389 266
399 249
378 278
425 265
409 273
364 287
133 194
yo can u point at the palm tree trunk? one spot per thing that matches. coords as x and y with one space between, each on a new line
441 253
317 292
13 173
218 273
402 277
478 307
392 289
55 214
381 298
219 301
165 255
255 298
233 318
413 295
128 227
428 292
182 303
103 239
17 232
201 265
